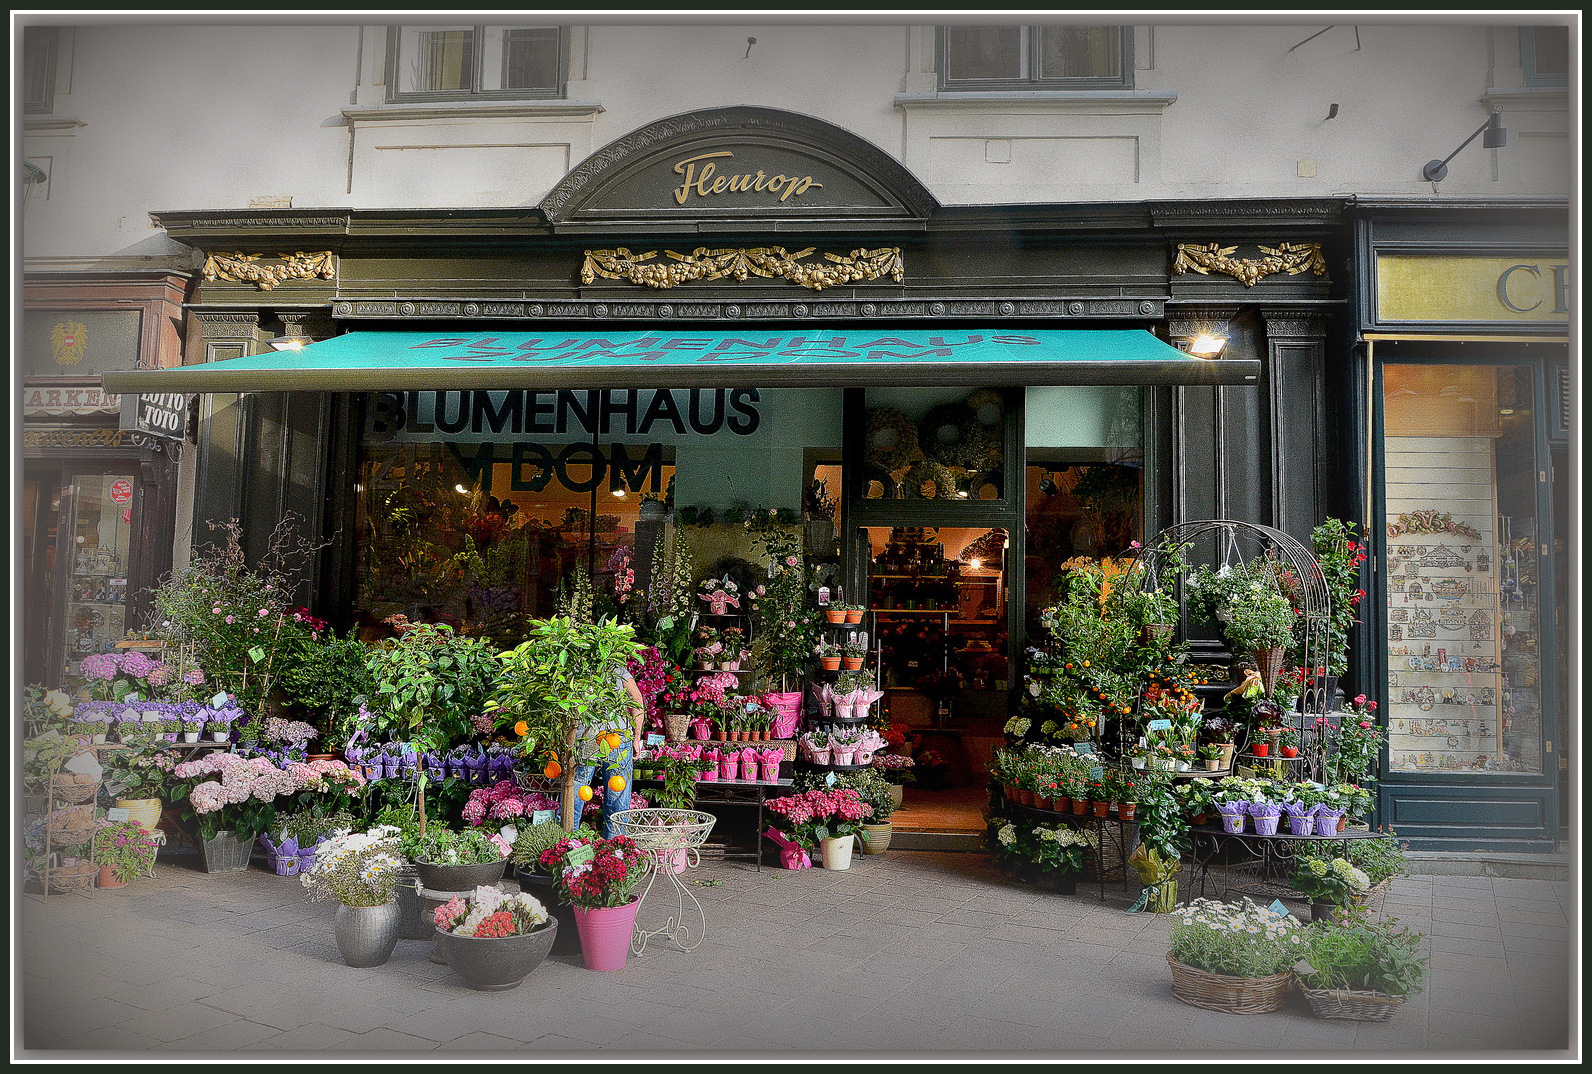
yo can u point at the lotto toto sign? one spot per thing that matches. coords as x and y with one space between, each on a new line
122 491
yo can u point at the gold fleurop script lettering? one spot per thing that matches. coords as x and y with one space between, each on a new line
699 174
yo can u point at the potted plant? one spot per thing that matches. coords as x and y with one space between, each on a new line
1288 742
1211 754
1255 616
1382 859
122 850
822 820
854 650
835 612
597 877
536 878
359 871
1331 885
1219 730
494 939
828 653
1361 971
1236 958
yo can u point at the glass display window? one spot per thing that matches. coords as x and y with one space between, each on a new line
98 544
1463 593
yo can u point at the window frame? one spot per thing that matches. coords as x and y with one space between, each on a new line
1031 42
395 95
40 40
1528 60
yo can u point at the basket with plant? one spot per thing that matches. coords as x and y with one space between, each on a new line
1362 971
1233 958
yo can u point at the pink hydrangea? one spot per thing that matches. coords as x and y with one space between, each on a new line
101 666
138 665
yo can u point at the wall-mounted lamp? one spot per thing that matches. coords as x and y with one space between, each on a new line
289 340
1047 484
1495 137
619 493
1207 346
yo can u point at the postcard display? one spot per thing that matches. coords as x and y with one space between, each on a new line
1463 672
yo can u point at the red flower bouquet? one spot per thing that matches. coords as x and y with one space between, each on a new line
595 873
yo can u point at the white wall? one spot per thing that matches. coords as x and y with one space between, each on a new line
151 117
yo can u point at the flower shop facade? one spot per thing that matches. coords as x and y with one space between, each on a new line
743 313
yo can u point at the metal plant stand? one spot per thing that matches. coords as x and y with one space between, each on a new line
669 836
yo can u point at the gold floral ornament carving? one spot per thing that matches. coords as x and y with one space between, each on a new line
244 268
773 261
1289 257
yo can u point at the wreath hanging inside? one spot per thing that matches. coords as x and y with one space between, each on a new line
930 480
943 434
987 406
890 437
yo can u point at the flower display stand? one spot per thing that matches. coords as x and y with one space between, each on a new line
665 834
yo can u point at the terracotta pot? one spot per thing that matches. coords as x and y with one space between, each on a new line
1126 810
1062 805
830 663
1080 806
834 615
720 736
1100 808
854 616
107 878
852 663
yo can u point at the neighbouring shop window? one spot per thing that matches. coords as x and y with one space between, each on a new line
1085 481
934 444
1035 57
99 535
1463 616
479 508
463 62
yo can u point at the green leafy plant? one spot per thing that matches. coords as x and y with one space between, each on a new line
1363 956
560 691
1382 858
446 846
1336 881
328 679
785 624
536 839
1246 600
430 684
1339 556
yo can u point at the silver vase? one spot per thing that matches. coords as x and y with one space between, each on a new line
366 935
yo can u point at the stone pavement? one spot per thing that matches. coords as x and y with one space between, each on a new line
911 953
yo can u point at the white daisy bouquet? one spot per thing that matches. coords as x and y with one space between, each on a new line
1235 939
356 869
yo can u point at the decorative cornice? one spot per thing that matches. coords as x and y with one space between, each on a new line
241 268
1291 258
771 261
245 319
1137 309
1284 323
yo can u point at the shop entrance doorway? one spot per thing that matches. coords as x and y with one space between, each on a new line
937 599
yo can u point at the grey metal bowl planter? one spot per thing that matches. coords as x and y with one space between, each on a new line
496 963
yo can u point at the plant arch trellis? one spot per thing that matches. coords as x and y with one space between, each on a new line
1222 543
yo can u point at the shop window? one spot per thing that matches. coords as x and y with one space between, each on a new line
1545 55
99 533
1035 57
38 69
927 444
1462 603
433 63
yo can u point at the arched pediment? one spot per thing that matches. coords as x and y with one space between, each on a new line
737 165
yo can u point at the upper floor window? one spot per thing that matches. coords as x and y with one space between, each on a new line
1545 55
1035 57
38 69
450 63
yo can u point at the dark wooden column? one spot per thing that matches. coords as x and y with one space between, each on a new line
1298 418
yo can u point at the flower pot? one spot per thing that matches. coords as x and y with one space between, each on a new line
605 934
1227 754
1327 821
144 812
1138 762
854 615
897 794
219 736
1213 765
107 878
1289 751
226 853
496 963
1260 749
1080 806
413 921
1062 804
835 615
1127 810
540 887
366 935
1231 995
829 663
721 736
851 663
435 877
1182 766
845 757
1342 823
1233 823
1163 897
875 838
768 771
837 852
190 736
821 756
1301 824
1101 809
1266 823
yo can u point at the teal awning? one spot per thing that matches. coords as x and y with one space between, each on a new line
708 358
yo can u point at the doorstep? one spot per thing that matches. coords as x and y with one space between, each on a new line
965 842
1554 866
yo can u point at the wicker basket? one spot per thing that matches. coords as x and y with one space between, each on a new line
1233 995
71 826
1346 1003
69 879
73 787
